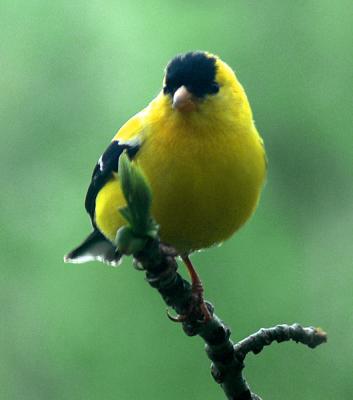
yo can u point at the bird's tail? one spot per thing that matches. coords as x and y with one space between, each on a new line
94 248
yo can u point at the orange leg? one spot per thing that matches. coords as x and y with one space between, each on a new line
195 279
197 292
197 288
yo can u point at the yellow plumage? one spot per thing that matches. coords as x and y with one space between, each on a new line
206 167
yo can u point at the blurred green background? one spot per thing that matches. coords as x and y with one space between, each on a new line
71 73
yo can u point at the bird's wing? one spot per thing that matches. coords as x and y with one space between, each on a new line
129 138
94 248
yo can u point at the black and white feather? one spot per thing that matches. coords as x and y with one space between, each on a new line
96 247
106 165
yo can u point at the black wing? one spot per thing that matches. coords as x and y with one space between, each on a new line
94 248
106 165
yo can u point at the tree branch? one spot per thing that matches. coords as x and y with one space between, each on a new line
159 264
310 336
227 358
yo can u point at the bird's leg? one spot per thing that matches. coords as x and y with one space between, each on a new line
197 305
197 302
197 289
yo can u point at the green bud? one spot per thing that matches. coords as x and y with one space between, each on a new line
137 192
127 242
125 176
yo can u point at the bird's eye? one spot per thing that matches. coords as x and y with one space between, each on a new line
214 88
202 89
169 89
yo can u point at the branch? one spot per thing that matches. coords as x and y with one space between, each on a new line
310 336
158 262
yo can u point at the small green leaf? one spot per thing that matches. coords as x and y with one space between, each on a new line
138 196
153 230
127 242
125 175
125 212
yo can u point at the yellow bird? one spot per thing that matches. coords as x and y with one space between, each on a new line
197 144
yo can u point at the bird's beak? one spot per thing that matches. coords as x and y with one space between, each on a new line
183 100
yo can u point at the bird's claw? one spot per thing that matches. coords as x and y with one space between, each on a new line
197 308
178 318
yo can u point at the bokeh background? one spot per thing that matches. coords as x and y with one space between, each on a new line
70 74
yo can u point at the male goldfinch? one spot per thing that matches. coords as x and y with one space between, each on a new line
197 144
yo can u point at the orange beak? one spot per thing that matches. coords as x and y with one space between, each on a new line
183 100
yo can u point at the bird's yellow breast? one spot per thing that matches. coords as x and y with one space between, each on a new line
206 174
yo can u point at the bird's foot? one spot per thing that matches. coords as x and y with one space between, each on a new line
177 318
198 308
198 305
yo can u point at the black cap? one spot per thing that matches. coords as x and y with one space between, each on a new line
194 70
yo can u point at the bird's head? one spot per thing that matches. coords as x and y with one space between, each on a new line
200 83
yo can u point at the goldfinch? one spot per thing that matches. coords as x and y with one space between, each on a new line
198 146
